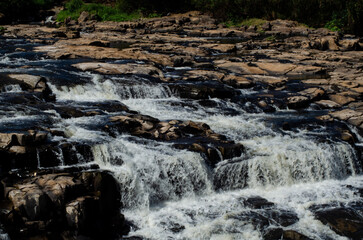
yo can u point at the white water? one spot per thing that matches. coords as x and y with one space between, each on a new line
214 216
171 194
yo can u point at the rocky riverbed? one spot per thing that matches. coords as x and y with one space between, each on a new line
180 128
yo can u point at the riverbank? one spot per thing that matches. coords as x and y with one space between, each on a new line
207 108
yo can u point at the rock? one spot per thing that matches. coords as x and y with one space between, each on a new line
108 68
298 102
350 44
293 235
203 75
31 201
240 68
204 91
340 99
237 82
346 114
83 17
29 138
258 203
34 82
273 234
329 43
82 204
344 221
313 93
328 104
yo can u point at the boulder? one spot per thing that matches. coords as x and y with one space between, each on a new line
313 93
36 83
298 102
85 204
258 203
328 104
329 43
340 99
344 221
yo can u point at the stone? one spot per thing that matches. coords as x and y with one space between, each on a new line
328 104
298 102
108 68
83 17
34 82
31 200
346 114
258 203
340 99
240 68
350 44
82 203
344 221
313 93
329 43
294 235
237 81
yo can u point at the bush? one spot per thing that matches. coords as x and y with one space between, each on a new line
74 8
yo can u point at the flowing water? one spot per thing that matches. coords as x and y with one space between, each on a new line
173 194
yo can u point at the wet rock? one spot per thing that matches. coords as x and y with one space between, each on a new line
204 91
258 203
344 221
194 136
294 235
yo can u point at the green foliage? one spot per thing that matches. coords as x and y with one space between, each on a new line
344 15
74 8
74 5
253 22
2 30
336 24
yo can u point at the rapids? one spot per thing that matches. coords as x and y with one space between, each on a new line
169 193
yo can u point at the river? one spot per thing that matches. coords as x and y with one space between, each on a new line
169 193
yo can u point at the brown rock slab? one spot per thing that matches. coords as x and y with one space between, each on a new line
346 114
240 68
108 68
340 99
328 104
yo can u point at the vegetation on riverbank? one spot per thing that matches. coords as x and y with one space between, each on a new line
343 15
338 15
103 12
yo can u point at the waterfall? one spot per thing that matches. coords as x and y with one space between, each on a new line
149 173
